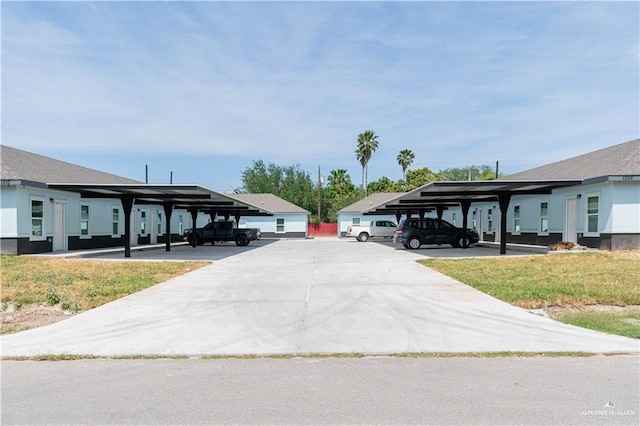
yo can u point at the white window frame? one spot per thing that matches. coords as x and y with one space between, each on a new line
589 215
278 225
180 225
88 220
453 219
43 235
541 217
355 221
116 210
517 220
490 229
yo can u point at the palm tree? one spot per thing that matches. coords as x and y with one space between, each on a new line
405 158
339 179
367 144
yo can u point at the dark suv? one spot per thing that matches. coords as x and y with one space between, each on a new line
414 232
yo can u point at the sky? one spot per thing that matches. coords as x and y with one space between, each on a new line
201 90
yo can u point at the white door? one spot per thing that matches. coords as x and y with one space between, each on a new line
153 232
570 230
497 224
479 224
59 237
133 238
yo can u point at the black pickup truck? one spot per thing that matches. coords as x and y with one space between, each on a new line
221 231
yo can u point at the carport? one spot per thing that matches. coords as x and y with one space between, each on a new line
440 195
193 198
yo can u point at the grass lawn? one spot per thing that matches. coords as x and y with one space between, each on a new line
566 279
78 285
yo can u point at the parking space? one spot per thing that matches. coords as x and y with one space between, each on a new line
307 296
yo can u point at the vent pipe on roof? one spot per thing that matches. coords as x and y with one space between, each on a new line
146 173
171 178
497 170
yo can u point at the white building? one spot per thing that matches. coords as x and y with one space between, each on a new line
592 199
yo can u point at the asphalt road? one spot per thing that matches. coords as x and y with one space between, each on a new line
379 390
307 296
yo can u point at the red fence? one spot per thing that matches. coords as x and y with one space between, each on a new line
323 229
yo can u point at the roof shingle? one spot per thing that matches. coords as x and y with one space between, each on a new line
16 164
270 202
616 160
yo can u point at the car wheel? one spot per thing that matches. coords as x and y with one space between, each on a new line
363 237
242 240
413 243
462 242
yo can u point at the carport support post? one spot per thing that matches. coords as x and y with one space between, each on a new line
398 217
168 209
237 218
439 210
465 205
503 200
127 206
194 217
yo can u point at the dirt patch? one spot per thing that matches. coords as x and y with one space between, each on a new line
30 316
556 311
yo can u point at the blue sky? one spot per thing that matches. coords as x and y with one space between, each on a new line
202 89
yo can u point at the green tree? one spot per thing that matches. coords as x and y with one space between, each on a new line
339 179
468 173
405 159
289 182
367 144
384 184
340 192
418 177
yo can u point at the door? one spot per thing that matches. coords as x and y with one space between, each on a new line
153 232
133 238
570 230
478 224
59 231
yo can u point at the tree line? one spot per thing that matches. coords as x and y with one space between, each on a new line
296 185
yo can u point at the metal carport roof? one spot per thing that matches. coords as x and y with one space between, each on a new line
439 195
194 198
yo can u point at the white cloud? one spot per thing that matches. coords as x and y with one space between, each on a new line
457 83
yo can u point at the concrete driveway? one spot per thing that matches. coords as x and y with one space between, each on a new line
307 296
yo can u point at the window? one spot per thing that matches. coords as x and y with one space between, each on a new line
143 223
84 220
544 217
159 223
592 214
490 220
280 224
453 218
180 225
37 219
355 221
516 219
115 221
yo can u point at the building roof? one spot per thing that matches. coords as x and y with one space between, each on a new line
16 164
370 201
617 160
270 202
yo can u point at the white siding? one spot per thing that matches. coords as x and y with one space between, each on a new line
8 212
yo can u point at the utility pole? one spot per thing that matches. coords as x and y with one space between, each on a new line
319 193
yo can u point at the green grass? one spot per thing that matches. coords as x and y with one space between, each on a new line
78 284
575 279
559 279
621 323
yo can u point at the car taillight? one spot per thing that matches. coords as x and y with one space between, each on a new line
349 229
399 230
